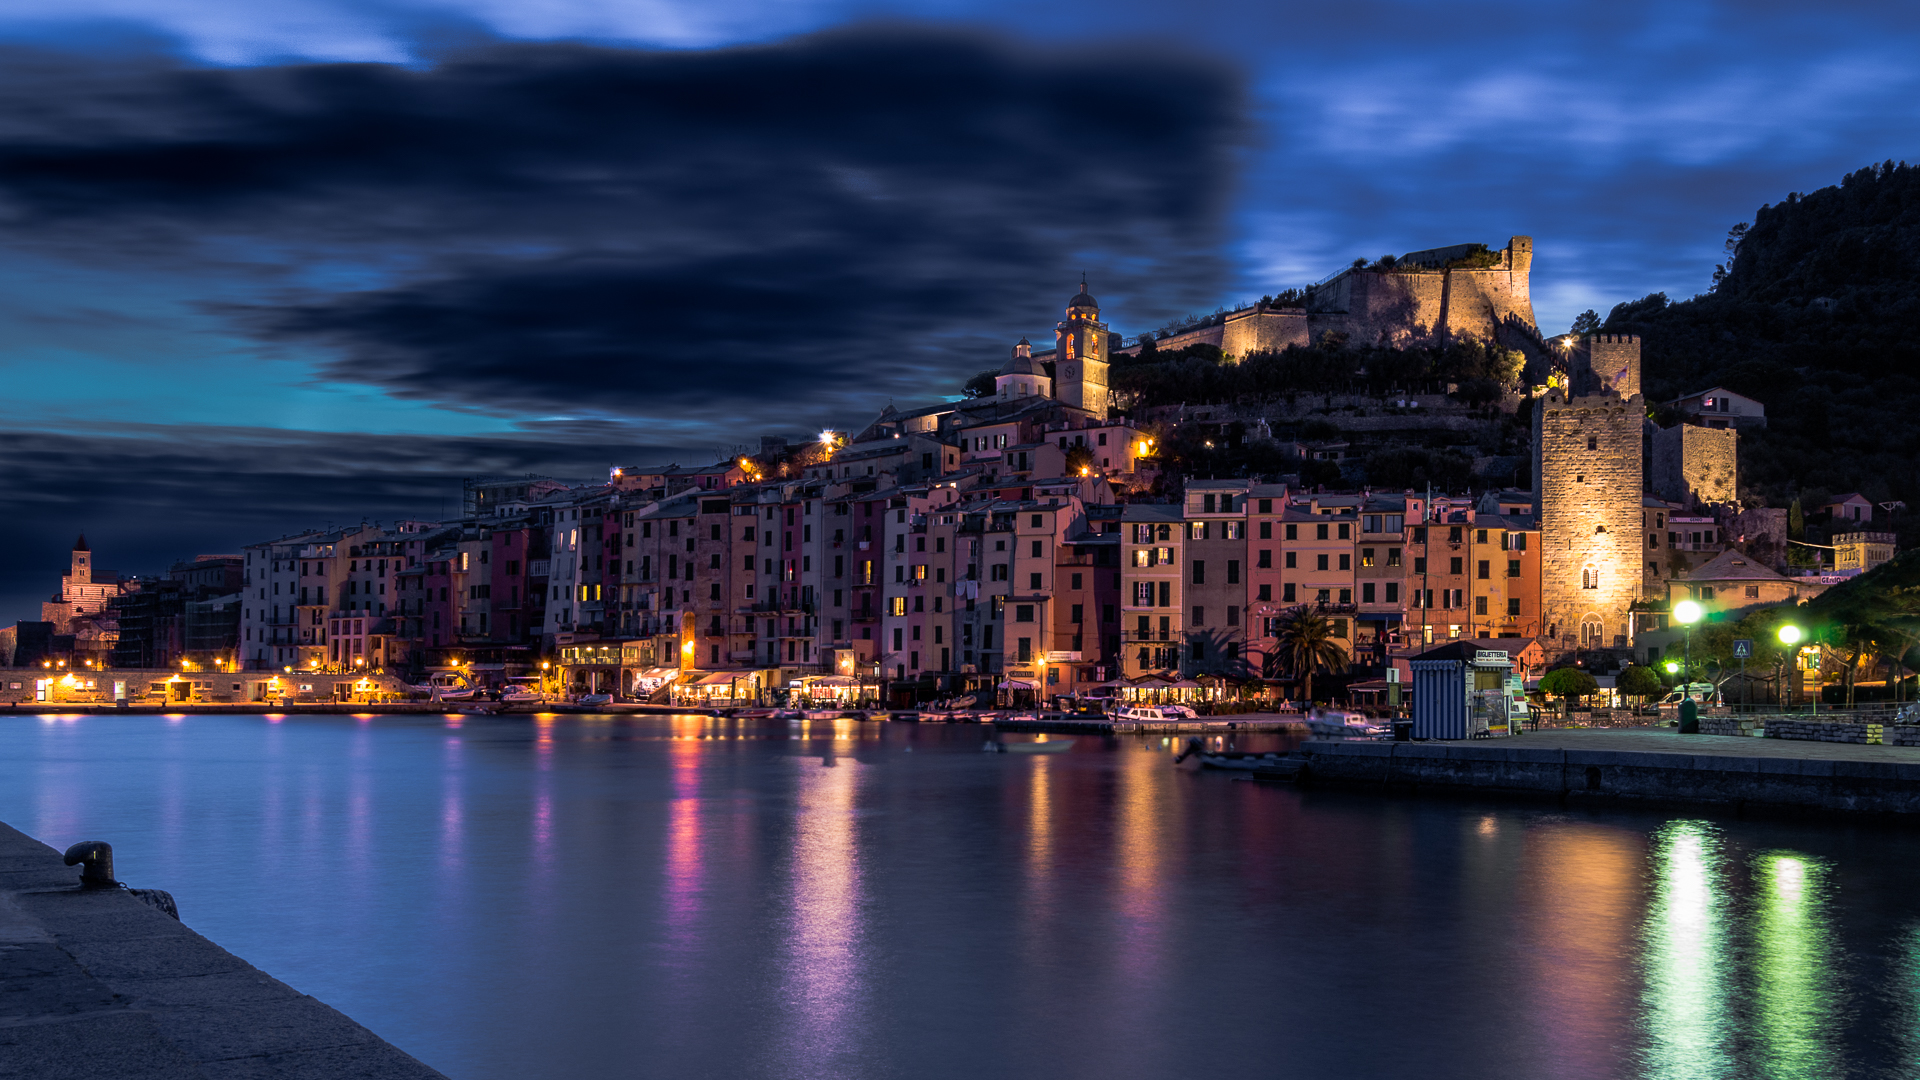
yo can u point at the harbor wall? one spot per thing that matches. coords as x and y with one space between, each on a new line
100 984
1809 783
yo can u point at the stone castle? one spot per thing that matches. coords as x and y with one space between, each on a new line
1424 297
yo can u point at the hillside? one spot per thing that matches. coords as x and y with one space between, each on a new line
1818 317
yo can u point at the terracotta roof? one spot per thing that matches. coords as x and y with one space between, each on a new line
1734 566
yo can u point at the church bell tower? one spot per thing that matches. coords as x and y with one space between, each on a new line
1080 355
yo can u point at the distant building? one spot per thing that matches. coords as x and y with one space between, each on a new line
1849 508
1720 407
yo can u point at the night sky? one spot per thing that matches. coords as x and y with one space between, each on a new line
271 266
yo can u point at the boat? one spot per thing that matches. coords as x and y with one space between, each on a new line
1051 746
594 701
1195 755
520 695
1151 714
1338 724
824 714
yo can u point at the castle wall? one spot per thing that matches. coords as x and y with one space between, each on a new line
1587 467
1410 305
1263 329
1695 465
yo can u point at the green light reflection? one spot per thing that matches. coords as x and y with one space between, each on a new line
1689 1029
1797 1002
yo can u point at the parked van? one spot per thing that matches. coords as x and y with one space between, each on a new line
1703 693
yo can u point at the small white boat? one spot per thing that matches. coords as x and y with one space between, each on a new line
1151 714
824 714
594 701
1334 723
520 695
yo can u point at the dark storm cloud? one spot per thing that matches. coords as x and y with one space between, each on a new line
542 228
155 495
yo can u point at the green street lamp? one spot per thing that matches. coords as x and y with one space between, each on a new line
1686 613
1790 635
1673 667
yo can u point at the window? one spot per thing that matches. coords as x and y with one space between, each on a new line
1479 605
1199 572
897 605
1293 532
1590 631
1393 592
1076 585
1593 442
1420 564
1513 607
1366 592
1319 532
1266 593
1485 570
1453 566
1286 593
1320 562
1265 559
1199 616
1233 615
1753 592
1290 560
1143 594
1033 582
1197 530
1513 567
1393 556
1345 532
1036 549
1233 571
1589 579
1346 561
1366 556
1266 530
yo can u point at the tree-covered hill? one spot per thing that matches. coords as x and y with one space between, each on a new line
1818 317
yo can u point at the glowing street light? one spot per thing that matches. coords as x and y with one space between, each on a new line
1790 634
1686 613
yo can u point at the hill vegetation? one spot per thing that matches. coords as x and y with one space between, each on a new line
1816 315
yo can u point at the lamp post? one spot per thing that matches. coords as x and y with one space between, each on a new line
1789 635
1686 613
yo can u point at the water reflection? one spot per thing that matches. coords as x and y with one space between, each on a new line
1797 1004
822 991
1685 1014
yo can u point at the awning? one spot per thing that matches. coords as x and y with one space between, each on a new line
829 680
1184 684
1018 684
721 678
661 673
1369 686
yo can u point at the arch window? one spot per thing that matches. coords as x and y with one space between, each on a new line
1589 578
1067 344
1590 631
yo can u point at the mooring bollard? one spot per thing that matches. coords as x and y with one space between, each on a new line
95 859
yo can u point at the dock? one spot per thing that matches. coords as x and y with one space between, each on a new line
100 984
1647 764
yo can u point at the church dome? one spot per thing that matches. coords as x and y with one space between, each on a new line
1020 365
1083 299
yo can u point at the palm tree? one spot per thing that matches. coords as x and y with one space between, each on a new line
1306 644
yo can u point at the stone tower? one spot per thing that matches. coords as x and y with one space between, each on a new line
1080 355
1614 360
81 573
1587 473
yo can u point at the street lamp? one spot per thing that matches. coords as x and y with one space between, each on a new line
1790 635
1686 613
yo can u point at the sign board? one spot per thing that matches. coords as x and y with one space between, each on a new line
1063 657
1516 697
1393 675
1742 648
1491 656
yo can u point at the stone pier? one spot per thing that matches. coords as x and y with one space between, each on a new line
1654 765
96 984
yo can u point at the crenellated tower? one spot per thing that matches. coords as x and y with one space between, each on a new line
1587 475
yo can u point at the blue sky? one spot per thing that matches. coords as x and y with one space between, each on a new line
235 299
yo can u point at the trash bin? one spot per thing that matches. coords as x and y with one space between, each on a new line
1403 731
1689 717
